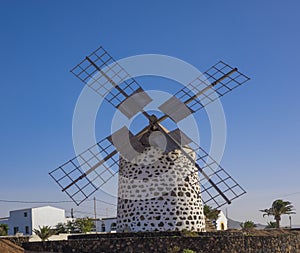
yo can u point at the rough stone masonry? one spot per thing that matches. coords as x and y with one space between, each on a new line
159 191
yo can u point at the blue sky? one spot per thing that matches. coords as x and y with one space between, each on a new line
42 40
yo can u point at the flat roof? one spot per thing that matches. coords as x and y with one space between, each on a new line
111 218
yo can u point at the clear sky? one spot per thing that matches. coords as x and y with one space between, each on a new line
42 40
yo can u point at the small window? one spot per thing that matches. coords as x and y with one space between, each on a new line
26 230
103 227
25 214
16 230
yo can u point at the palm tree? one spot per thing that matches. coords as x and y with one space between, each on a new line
271 224
210 213
44 232
279 207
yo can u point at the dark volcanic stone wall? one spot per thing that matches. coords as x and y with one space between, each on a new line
218 242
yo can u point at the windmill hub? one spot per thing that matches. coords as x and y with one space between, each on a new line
157 139
152 119
154 138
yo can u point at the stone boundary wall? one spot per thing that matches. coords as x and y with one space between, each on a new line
127 235
218 242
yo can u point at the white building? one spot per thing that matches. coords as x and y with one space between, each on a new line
106 225
26 220
221 222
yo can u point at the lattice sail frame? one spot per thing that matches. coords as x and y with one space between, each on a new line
216 173
103 74
211 86
86 173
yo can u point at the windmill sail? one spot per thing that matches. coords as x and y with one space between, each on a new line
81 176
84 174
108 79
214 83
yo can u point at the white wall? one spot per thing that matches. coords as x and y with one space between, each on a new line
47 216
60 237
40 216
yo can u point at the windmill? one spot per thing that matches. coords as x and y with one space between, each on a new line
164 177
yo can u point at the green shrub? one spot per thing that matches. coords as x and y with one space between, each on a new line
188 251
175 249
188 233
248 225
3 229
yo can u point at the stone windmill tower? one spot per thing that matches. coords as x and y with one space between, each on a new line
159 191
164 176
